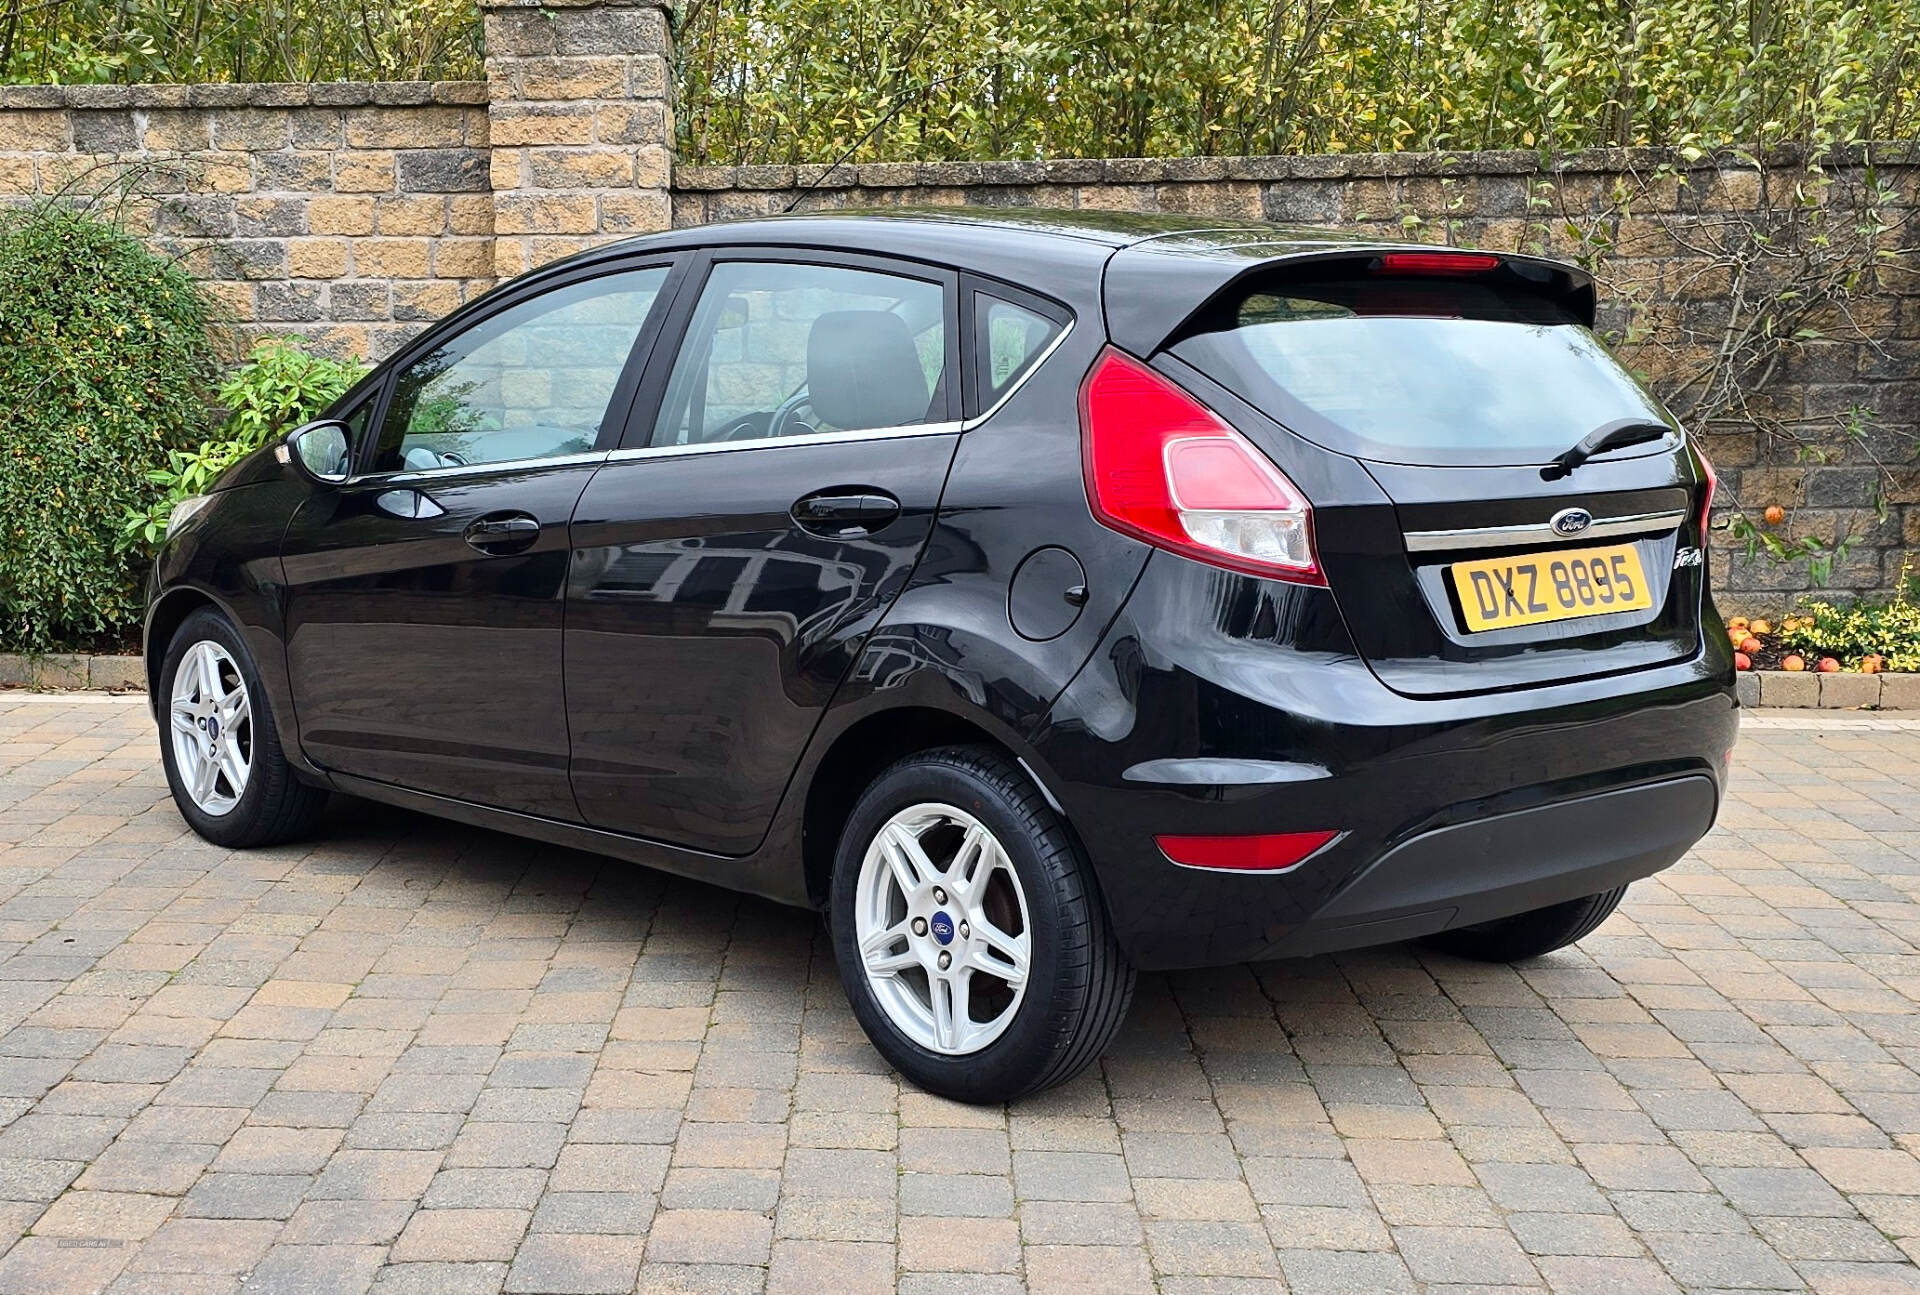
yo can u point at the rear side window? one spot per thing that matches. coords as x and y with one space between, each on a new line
1415 370
1009 339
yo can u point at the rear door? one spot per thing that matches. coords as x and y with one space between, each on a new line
768 502
1456 385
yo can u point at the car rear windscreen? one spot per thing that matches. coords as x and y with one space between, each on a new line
1414 370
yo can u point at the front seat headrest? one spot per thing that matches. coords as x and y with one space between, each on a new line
864 371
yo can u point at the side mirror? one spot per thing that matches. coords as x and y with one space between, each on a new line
321 450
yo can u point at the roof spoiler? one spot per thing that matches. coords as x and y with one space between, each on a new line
1153 286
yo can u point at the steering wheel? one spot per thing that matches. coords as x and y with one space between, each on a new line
751 427
789 407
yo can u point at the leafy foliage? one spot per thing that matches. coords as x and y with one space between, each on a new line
810 80
105 365
279 387
238 40
1888 628
1781 259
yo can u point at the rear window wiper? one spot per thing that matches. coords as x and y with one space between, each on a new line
1616 435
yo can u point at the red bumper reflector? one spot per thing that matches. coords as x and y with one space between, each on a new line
1275 852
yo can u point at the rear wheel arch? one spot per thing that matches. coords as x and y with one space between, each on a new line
859 753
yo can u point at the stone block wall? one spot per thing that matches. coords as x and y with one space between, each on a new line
351 214
582 125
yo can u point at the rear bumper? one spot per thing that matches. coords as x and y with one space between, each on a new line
1453 811
1510 863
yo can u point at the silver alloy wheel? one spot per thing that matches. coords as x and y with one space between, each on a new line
941 925
211 720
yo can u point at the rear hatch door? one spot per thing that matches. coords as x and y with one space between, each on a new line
1456 380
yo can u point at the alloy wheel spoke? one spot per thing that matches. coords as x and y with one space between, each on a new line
208 684
235 708
1000 954
234 768
951 1026
205 775
912 870
972 863
184 720
877 951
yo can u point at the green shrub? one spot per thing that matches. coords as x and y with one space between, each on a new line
1888 628
279 387
105 365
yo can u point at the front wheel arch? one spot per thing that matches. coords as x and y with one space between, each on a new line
163 622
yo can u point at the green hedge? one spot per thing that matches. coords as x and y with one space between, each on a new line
105 365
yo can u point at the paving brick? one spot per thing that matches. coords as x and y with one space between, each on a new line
436 1235
550 1262
316 1270
710 1236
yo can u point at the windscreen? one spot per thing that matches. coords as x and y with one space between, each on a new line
1435 370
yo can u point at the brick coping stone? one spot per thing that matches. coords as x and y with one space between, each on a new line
275 94
1806 689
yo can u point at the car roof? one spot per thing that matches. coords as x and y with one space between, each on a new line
931 231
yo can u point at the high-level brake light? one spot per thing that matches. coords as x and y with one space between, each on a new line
1438 262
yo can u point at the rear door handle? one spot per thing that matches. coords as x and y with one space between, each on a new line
845 512
502 533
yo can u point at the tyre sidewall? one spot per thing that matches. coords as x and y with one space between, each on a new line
235 827
1040 1029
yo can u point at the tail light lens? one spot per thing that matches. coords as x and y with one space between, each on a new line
1164 468
1707 486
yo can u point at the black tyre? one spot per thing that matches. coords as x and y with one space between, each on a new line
971 938
1528 935
229 776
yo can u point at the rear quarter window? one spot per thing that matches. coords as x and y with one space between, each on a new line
1415 370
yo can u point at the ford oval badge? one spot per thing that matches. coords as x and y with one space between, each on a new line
1571 521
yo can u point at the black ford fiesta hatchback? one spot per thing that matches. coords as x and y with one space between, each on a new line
1040 596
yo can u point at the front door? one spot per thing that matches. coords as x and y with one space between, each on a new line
770 503
425 596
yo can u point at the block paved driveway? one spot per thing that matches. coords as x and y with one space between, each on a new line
413 1057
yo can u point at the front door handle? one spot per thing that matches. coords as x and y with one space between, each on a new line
845 512
501 533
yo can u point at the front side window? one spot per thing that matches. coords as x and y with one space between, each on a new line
531 382
784 349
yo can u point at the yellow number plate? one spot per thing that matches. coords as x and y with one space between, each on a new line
1500 593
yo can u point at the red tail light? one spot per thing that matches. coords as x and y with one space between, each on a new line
1706 493
1276 852
1162 467
1438 262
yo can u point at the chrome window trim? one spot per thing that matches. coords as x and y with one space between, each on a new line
946 428
406 476
1046 353
1492 537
